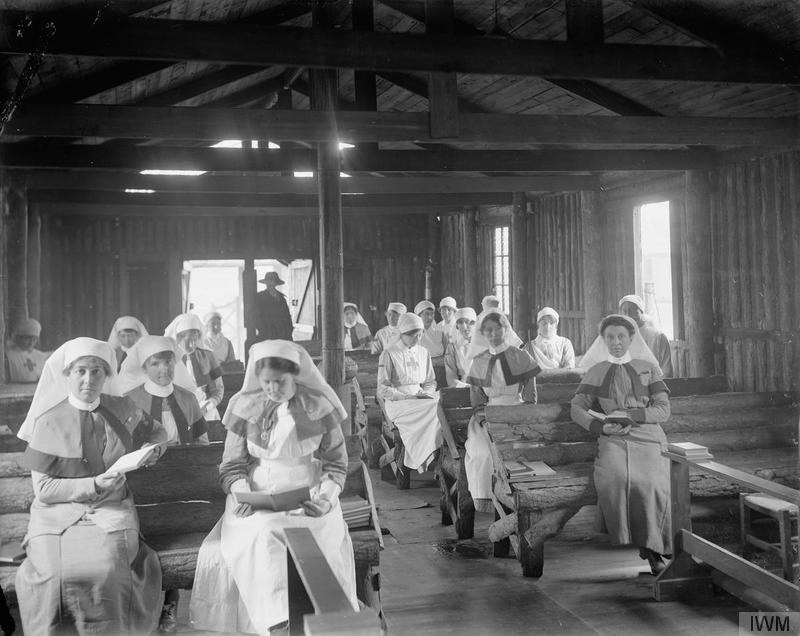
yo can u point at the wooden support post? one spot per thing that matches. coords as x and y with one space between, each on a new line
469 257
3 274
34 262
698 293
431 269
585 20
442 87
591 230
520 305
17 255
324 95
366 95
249 291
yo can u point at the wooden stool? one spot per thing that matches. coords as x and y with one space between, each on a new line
784 513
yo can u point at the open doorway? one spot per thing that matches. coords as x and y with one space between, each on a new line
216 285
654 264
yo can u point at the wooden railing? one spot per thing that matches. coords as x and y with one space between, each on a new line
317 603
685 578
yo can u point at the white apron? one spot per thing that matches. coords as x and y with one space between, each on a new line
241 580
418 423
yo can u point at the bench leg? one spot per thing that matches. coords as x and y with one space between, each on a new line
446 487
501 549
386 462
403 473
531 549
465 524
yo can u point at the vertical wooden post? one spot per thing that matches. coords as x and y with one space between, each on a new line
698 293
34 262
431 268
3 274
592 264
17 255
324 95
249 290
366 95
469 258
520 305
442 87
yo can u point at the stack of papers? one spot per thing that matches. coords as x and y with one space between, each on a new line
690 450
356 511
528 471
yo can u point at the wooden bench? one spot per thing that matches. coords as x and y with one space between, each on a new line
179 500
737 427
698 562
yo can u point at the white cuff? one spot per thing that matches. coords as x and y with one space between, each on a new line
330 490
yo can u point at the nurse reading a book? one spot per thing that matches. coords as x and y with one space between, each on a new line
284 434
623 400
87 569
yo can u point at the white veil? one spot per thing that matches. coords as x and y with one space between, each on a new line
132 375
125 322
480 343
599 352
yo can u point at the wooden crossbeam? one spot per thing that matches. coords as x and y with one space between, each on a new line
237 199
65 180
175 40
84 157
92 120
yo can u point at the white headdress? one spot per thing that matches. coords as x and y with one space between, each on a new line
547 311
309 375
400 308
634 299
359 318
599 352
53 386
184 322
125 322
480 343
131 374
448 301
409 322
422 305
465 312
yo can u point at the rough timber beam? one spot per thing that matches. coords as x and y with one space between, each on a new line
98 158
65 180
176 40
91 120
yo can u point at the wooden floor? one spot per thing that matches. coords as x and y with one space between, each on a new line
434 584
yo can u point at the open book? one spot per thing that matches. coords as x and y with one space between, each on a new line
612 419
136 459
278 501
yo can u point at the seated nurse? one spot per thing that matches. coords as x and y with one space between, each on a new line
623 378
284 432
499 374
87 570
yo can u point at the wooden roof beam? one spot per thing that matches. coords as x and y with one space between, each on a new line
97 158
94 181
175 40
92 120
585 89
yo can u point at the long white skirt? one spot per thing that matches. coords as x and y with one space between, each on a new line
418 423
478 461
240 583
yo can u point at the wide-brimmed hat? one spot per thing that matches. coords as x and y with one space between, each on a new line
272 277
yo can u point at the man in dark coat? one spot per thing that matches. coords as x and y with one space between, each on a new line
273 320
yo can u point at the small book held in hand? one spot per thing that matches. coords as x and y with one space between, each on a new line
135 459
277 501
612 419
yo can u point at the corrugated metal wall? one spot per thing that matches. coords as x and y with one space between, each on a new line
555 263
756 257
84 257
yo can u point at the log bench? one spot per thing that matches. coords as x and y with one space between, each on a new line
750 431
179 501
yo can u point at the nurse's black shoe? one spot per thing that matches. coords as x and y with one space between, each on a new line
168 623
657 565
280 629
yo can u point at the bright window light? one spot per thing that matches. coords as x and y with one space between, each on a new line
344 144
174 173
228 143
273 145
303 175
345 175
139 191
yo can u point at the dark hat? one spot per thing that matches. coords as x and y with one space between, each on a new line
272 277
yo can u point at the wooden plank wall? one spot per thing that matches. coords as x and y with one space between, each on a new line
555 263
451 256
756 260
83 258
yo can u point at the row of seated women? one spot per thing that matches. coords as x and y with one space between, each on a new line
622 380
87 568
